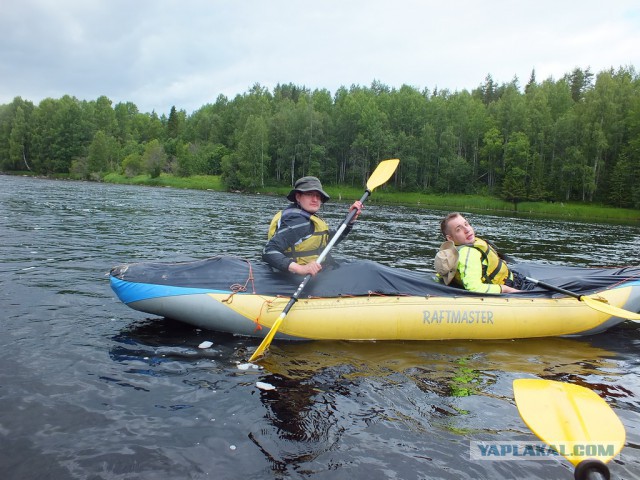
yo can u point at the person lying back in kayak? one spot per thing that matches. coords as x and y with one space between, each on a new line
473 263
297 235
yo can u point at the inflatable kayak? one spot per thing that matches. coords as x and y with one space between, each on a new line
364 300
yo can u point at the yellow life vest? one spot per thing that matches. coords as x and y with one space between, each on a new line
308 248
494 269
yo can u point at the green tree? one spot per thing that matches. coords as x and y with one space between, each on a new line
517 156
488 91
372 139
345 118
540 133
15 134
209 124
105 116
632 149
252 157
514 187
103 154
510 111
283 141
61 133
455 175
231 176
578 176
132 164
147 127
623 178
206 158
428 157
604 115
470 121
185 159
579 81
154 159
491 157
73 133
19 141
125 114
173 124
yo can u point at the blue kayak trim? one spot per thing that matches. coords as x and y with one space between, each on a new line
129 292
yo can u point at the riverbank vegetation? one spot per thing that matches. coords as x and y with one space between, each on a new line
386 195
552 145
390 196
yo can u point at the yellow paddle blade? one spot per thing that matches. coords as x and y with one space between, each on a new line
382 173
573 420
267 339
610 309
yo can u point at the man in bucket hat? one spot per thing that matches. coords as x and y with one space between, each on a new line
307 184
297 235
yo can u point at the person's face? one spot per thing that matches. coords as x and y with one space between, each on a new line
309 201
459 231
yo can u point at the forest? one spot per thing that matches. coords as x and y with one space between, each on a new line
573 139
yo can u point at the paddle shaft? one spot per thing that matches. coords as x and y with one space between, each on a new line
591 469
554 288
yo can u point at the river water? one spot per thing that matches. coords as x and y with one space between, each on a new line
90 389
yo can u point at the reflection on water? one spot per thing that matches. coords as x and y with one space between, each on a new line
329 397
93 389
533 356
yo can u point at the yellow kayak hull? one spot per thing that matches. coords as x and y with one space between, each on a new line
424 318
363 300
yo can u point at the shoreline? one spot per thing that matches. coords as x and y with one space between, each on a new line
386 196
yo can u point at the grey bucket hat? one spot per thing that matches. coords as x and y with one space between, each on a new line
307 184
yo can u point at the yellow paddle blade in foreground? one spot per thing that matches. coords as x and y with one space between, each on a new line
572 419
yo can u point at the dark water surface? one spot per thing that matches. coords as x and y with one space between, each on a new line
90 389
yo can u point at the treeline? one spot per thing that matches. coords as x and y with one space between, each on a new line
573 139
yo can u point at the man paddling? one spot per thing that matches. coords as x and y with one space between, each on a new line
297 235
473 263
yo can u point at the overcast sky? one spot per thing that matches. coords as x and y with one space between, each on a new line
159 53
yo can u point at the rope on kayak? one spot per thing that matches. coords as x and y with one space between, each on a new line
265 303
237 287
624 280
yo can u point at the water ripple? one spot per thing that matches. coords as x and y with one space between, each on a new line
92 389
